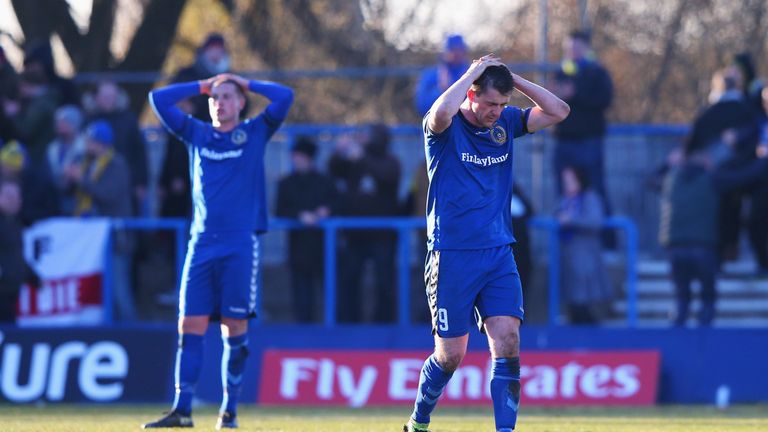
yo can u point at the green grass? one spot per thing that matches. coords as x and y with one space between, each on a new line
91 418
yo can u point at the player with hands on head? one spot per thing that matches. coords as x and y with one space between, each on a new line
468 136
219 278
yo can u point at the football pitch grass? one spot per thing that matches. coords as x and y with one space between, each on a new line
106 418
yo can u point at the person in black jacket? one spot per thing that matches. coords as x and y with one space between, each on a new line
306 195
111 104
367 176
39 198
212 58
688 230
521 210
585 85
13 267
729 129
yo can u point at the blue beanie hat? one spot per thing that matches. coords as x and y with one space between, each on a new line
455 41
101 131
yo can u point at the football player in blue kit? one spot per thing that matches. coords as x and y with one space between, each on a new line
470 268
219 278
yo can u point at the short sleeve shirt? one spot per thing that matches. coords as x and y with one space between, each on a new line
470 181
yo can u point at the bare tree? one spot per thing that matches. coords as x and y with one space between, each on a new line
90 51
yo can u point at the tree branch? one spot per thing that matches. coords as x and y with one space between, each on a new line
666 59
150 44
92 53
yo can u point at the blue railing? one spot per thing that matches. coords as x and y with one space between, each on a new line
552 228
404 227
331 226
647 130
130 77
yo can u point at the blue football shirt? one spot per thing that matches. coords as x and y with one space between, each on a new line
470 181
226 168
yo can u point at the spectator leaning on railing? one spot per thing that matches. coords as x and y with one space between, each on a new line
68 148
308 196
581 214
13 268
39 199
103 181
9 92
367 176
103 188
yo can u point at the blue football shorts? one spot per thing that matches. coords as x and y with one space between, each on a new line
220 276
468 286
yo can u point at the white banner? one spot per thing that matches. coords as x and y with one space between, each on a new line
68 255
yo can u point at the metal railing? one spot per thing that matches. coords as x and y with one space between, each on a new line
132 77
404 226
331 226
552 228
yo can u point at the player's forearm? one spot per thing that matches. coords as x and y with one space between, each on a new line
543 98
280 96
447 105
163 102
171 94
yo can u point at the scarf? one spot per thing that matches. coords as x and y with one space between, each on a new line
92 172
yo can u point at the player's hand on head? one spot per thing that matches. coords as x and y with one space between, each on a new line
242 82
479 65
206 85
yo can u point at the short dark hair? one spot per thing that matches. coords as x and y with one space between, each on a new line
306 145
583 35
581 176
229 81
497 77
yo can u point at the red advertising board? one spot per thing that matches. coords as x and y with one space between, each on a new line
359 378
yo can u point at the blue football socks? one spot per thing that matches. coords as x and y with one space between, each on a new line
232 367
505 392
431 383
189 359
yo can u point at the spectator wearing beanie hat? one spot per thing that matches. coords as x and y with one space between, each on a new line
212 59
103 181
435 80
103 185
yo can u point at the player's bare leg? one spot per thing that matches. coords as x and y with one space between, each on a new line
449 352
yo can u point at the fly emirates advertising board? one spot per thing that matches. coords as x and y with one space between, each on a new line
360 378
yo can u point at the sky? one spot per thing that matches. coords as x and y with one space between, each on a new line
478 20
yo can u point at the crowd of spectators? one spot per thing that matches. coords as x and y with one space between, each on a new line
719 170
67 153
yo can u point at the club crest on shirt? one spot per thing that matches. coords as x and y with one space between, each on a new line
239 136
499 135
